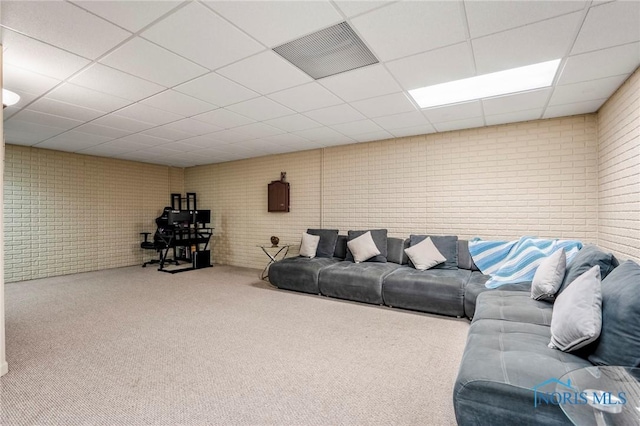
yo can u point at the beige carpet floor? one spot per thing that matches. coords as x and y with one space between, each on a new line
134 346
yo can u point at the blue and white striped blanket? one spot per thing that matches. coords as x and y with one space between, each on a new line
510 262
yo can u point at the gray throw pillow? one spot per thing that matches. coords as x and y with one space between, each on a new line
379 237
576 320
447 246
548 276
328 239
619 342
586 258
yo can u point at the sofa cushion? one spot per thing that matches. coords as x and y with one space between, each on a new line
447 245
619 342
476 286
309 245
502 363
363 248
439 291
341 247
587 258
549 276
577 313
425 255
379 237
328 239
299 273
512 306
395 250
464 257
361 282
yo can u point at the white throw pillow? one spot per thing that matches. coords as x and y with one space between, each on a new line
549 276
309 245
363 247
577 314
425 255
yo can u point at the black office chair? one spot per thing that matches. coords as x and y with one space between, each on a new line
161 240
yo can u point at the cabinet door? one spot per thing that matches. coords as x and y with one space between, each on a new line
278 196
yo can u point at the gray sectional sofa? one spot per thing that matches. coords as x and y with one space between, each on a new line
506 353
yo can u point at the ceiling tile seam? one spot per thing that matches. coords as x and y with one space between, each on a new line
563 62
365 12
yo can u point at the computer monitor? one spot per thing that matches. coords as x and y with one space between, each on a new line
203 216
177 217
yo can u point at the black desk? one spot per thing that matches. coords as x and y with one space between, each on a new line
189 244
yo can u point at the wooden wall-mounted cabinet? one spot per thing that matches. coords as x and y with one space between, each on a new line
278 194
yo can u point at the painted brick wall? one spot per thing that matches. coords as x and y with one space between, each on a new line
236 194
619 171
67 213
535 178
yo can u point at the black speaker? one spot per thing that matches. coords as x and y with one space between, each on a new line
202 259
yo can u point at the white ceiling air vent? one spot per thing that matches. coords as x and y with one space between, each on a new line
327 52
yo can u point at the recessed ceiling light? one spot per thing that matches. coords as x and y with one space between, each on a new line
9 98
488 85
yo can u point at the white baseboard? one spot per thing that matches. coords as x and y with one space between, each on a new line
4 368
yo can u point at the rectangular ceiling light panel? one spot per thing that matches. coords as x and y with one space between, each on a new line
327 52
488 85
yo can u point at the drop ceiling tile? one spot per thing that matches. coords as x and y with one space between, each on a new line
227 136
143 156
204 37
124 124
306 97
292 123
586 91
261 109
223 118
204 141
573 109
18 132
97 129
352 8
413 131
146 60
72 141
335 115
399 121
355 128
39 57
487 17
467 123
19 79
601 63
193 127
395 103
257 130
416 27
182 146
217 90
276 22
117 83
287 139
142 139
265 73
609 25
178 103
543 41
373 136
361 83
518 102
131 15
111 148
434 67
63 25
46 119
87 98
167 132
325 136
258 145
514 117
148 114
62 109
454 112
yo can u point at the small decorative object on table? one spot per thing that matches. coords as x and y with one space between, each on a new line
275 241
